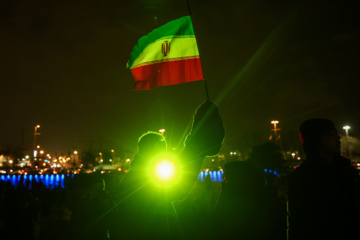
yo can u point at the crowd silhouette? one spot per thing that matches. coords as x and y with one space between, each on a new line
323 194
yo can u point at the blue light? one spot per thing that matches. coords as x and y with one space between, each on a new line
265 170
62 181
52 185
219 176
57 183
215 176
14 182
270 171
46 182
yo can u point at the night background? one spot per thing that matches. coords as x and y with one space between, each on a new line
63 66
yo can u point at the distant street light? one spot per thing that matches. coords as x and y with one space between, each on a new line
274 122
162 131
101 157
35 134
113 154
75 154
346 128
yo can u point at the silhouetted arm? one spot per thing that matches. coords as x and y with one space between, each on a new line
205 139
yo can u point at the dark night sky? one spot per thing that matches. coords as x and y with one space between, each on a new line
63 66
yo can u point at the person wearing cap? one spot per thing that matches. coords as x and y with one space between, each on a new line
324 191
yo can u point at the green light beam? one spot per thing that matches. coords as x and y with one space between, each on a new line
271 44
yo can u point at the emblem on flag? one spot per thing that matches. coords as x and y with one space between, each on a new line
165 48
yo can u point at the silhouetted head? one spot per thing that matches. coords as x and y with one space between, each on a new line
266 156
243 175
150 144
319 135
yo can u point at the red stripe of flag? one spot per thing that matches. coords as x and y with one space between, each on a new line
167 73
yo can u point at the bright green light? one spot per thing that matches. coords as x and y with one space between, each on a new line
165 170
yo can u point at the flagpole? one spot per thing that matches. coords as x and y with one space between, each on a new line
205 83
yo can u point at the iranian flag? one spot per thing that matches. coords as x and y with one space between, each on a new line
166 56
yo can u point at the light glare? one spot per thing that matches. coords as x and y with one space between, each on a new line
165 170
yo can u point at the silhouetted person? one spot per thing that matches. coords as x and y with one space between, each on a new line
92 218
240 210
268 158
324 190
145 208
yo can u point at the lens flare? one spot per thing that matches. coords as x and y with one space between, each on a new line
165 170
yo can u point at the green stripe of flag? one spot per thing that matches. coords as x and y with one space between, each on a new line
180 48
181 27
